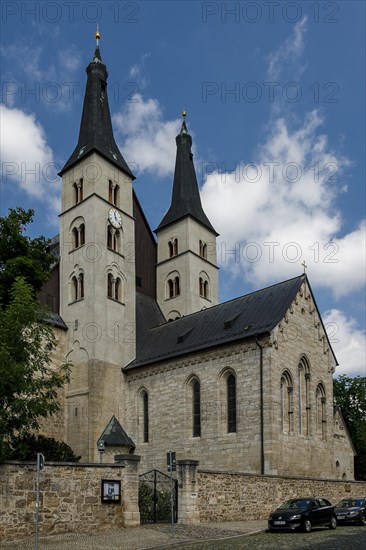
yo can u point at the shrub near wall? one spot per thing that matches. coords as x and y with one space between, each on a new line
70 498
236 496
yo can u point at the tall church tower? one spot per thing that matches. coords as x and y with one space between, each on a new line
97 276
187 272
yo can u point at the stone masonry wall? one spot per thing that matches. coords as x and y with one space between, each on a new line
70 498
237 496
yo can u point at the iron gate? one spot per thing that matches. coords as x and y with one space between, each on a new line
155 497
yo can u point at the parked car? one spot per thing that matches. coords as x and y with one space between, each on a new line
351 510
303 513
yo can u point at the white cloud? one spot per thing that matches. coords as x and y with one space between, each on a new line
288 53
148 140
27 159
282 211
348 342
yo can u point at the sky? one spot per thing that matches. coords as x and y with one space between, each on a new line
274 93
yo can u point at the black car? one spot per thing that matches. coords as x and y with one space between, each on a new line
351 510
303 513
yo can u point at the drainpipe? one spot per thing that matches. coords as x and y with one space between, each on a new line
261 403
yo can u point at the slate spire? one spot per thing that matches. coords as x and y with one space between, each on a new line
96 133
186 199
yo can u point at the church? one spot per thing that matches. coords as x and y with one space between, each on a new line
158 364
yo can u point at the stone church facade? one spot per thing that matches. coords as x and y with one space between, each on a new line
158 363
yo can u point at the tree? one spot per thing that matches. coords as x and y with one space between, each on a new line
28 383
26 446
21 255
350 395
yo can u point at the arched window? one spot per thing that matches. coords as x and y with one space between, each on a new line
231 403
304 396
78 191
113 238
117 289
286 402
75 237
81 234
74 289
110 285
77 287
173 287
81 285
196 400
109 237
321 418
203 249
173 247
204 286
113 193
145 399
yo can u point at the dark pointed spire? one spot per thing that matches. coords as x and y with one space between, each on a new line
96 133
186 200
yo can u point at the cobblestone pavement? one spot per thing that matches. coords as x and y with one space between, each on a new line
213 536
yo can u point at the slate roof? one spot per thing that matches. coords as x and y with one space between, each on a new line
249 316
186 199
96 133
114 435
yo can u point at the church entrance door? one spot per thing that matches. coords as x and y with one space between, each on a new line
155 494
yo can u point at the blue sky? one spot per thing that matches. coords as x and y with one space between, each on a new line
275 98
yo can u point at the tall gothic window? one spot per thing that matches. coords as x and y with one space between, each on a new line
78 236
203 287
196 394
113 193
286 394
145 399
110 285
231 403
117 289
304 396
321 418
113 238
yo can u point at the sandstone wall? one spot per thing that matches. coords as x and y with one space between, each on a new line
70 498
236 496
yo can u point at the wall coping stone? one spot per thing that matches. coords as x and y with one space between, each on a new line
248 474
64 464
130 458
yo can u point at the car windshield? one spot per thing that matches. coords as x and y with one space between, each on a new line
295 504
350 502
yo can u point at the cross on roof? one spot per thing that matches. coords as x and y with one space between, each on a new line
304 266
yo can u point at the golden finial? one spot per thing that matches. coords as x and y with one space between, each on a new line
184 114
97 35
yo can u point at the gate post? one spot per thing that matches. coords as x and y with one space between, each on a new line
130 489
188 512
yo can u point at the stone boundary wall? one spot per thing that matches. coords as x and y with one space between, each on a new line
69 498
226 496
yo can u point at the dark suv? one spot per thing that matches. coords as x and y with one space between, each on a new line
303 513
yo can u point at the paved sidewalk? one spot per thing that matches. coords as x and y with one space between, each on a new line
146 537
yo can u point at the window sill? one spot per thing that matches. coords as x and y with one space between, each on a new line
114 300
75 301
76 248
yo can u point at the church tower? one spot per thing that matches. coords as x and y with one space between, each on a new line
97 276
187 272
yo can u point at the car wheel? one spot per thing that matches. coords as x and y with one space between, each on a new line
362 520
333 523
307 526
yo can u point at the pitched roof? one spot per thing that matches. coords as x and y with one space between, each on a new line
186 199
114 435
246 317
96 133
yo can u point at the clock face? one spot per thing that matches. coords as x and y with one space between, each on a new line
115 218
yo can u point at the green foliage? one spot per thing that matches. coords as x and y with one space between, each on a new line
28 385
21 255
350 395
27 446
